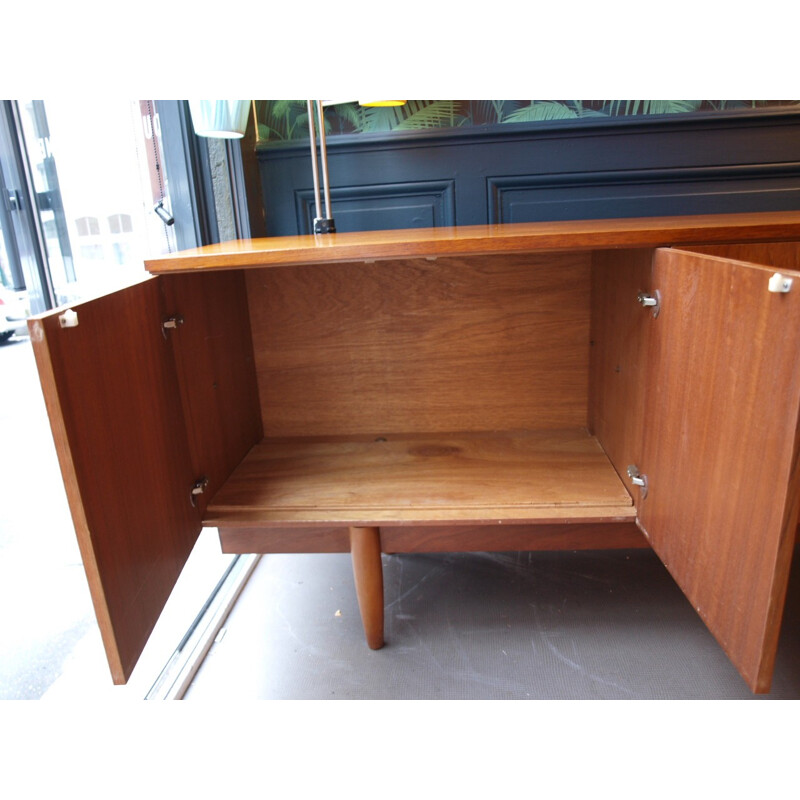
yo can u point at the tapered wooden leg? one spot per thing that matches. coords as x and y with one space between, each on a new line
365 548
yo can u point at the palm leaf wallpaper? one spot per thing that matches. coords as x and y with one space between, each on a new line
287 120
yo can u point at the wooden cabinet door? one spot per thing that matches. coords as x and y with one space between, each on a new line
720 450
113 398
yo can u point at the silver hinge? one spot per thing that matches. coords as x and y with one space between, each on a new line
198 487
650 301
637 479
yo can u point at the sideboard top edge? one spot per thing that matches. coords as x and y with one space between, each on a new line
486 240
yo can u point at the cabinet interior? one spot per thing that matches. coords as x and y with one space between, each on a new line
454 390
458 390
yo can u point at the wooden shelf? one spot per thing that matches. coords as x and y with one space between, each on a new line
487 478
572 235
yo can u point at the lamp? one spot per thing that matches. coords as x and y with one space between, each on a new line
227 119
326 224
321 224
220 119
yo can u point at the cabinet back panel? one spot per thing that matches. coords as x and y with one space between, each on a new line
459 344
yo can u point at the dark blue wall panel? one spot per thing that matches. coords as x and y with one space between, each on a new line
520 173
642 193
420 204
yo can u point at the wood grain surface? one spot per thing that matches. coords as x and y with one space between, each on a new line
438 538
569 235
114 404
776 255
721 447
463 344
620 328
365 546
524 476
213 352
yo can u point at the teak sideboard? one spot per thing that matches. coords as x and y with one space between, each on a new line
593 384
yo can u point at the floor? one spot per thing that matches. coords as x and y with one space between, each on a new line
563 625
50 645
43 588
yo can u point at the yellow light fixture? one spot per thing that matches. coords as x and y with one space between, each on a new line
381 103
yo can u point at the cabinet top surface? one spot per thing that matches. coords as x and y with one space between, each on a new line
486 239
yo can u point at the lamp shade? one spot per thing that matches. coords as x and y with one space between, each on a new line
221 119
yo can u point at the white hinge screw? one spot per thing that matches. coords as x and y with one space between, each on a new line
198 487
69 319
779 284
170 324
173 322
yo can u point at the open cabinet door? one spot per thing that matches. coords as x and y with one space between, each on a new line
114 403
721 445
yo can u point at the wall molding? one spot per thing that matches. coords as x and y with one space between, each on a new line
682 164
702 190
415 204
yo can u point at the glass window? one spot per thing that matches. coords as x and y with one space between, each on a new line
98 172
80 182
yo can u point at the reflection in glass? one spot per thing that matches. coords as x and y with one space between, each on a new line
97 174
